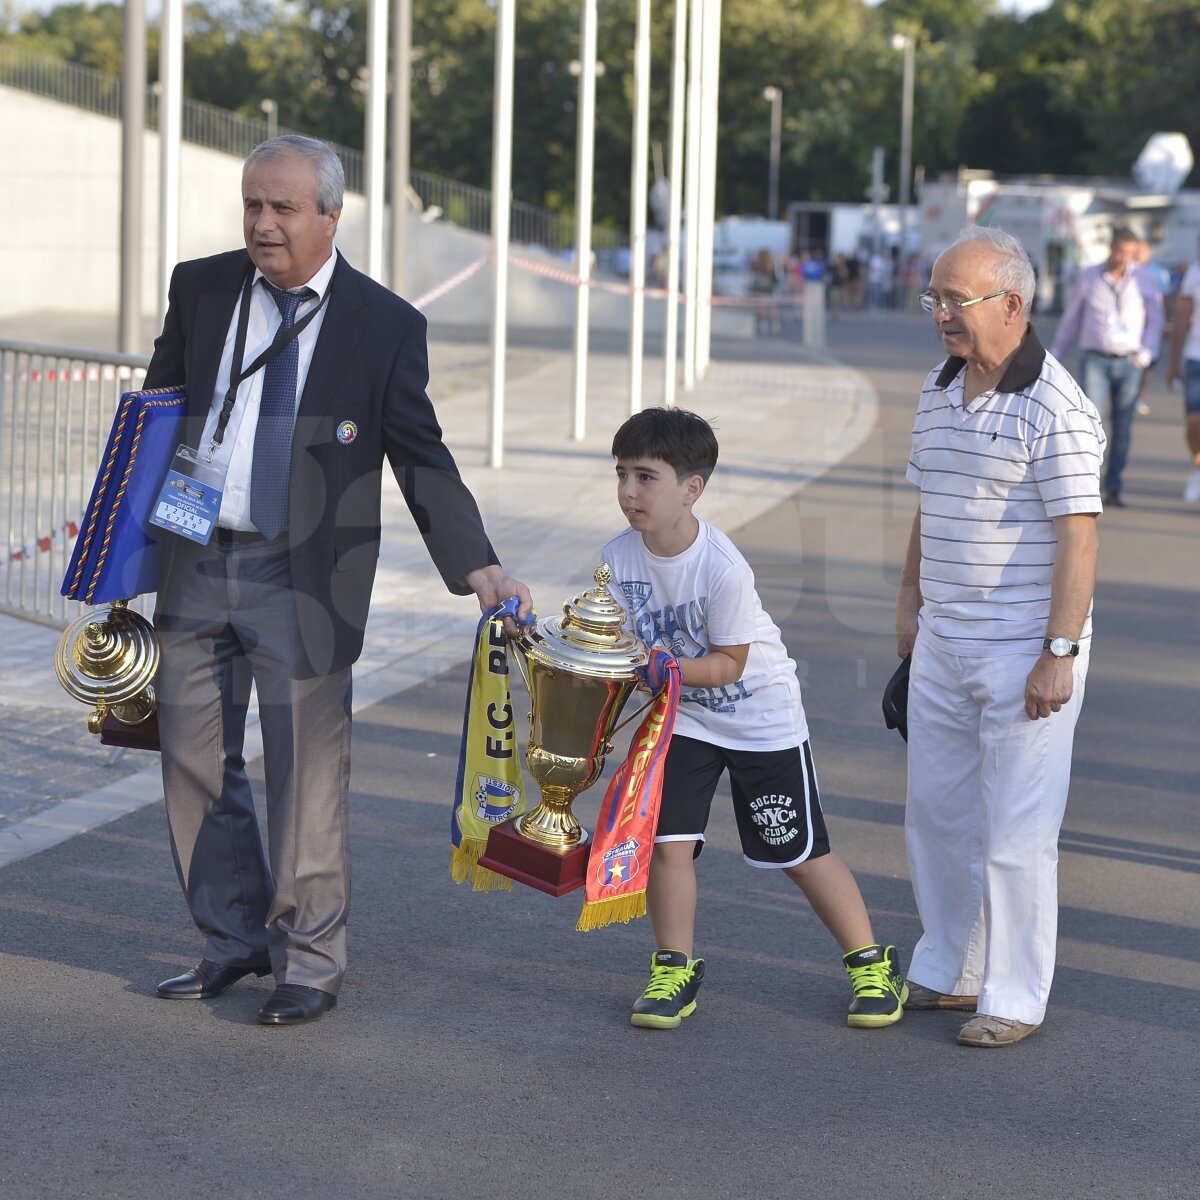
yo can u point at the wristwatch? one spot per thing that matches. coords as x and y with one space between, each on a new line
1061 647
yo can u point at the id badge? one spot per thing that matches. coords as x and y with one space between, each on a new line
190 499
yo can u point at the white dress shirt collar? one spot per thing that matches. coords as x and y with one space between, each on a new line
319 282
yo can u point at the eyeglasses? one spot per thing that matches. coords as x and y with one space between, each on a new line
931 303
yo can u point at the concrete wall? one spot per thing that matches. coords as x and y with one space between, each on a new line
62 167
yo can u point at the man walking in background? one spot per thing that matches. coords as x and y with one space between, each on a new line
1115 316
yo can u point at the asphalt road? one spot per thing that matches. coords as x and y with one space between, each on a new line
481 1047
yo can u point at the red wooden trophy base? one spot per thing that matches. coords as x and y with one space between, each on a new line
537 866
143 736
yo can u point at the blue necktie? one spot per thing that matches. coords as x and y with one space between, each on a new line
271 470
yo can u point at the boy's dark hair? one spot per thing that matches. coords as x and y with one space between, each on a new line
675 436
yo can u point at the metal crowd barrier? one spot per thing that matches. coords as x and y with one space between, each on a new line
56 407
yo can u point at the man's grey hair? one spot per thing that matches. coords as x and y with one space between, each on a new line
1014 269
331 178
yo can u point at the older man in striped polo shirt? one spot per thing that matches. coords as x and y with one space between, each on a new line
995 609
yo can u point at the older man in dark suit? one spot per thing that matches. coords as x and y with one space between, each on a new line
301 374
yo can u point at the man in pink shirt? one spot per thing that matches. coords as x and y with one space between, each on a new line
1115 316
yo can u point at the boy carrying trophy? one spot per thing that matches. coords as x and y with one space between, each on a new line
689 594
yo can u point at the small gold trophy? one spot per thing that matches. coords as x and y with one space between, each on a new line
110 663
580 669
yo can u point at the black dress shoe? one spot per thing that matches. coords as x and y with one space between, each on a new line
293 1004
206 979
1113 500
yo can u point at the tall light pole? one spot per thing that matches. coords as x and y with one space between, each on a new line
502 139
133 133
375 137
637 205
706 212
901 41
170 125
691 204
775 96
585 152
400 137
271 111
675 206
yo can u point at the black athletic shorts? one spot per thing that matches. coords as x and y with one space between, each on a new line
775 800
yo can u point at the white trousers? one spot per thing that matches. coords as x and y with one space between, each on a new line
987 789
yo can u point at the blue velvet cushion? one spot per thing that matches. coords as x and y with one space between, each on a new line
116 555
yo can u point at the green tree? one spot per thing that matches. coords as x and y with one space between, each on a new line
1078 88
1074 89
88 34
1125 69
842 83
1017 122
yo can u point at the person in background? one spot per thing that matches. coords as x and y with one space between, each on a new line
1116 319
1152 275
854 281
838 286
764 283
879 280
1185 365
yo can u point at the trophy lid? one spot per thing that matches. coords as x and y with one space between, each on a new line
107 661
589 638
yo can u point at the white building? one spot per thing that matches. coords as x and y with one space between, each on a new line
1065 222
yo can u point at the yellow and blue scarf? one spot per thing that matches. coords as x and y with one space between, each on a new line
490 788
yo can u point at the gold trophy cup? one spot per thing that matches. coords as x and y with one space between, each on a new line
580 669
109 662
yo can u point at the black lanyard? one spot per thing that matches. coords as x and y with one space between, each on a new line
236 375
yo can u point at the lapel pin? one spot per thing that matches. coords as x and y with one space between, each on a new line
347 431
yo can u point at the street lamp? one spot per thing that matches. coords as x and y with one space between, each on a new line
271 109
903 42
775 96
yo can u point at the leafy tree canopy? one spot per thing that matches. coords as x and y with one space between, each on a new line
1075 89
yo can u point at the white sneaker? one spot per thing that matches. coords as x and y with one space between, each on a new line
1191 490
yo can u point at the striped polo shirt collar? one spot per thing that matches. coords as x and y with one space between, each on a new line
1023 371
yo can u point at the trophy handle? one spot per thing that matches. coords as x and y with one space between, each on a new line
628 720
522 670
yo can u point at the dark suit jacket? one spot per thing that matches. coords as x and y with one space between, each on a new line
370 366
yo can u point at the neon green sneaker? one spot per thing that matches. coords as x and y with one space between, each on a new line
671 994
879 988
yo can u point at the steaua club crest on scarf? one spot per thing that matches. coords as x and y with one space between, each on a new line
619 865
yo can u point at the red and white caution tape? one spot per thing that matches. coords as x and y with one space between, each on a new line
43 544
448 285
565 275
561 275
98 373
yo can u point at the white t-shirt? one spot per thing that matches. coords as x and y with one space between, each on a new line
699 599
1190 287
